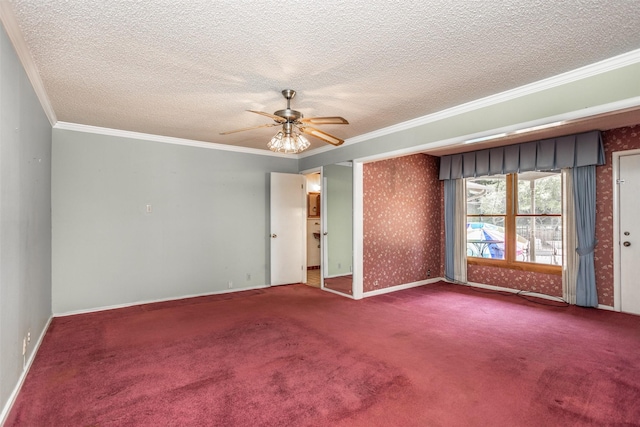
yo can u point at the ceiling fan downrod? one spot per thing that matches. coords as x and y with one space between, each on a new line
289 114
288 94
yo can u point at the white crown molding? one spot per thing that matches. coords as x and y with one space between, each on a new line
458 140
318 150
24 54
591 70
167 139
604 66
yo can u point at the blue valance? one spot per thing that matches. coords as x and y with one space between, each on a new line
570 151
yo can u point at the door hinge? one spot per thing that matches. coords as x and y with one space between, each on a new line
620 181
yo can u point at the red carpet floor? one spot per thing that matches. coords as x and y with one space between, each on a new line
438 355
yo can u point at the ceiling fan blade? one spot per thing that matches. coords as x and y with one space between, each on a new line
272 116
325 121
268 125
322 135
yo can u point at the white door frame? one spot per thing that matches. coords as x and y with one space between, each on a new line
324 254
617 303
322 225
358 230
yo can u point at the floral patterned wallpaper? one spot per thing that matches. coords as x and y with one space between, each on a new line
548 284
404 231
403 204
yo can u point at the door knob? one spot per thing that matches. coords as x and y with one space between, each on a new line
626 244
273 236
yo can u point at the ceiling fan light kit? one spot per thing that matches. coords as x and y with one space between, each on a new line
290 144
289 140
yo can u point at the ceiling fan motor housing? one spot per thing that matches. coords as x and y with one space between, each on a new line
289 114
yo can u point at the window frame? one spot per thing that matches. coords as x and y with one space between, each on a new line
510 217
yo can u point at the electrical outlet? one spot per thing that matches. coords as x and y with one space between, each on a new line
428 273
28 337
248 276
230 284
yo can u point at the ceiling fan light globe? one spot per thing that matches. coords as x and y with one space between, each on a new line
303 143
276 142
289 144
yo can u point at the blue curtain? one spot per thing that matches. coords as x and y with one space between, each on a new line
449 228
584 190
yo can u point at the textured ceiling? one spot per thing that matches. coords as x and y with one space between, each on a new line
190 69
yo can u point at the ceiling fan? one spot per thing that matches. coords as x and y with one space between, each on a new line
289 140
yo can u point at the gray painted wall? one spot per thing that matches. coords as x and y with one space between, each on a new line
208 225
25 218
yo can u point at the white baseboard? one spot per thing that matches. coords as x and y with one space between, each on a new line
469 284
23 376
474 285
526 293
513 291
401 287
132 304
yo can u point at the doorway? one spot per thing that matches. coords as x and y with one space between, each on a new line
313 227
626 181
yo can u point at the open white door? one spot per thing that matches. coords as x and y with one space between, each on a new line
288 246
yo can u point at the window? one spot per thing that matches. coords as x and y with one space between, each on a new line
515 221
